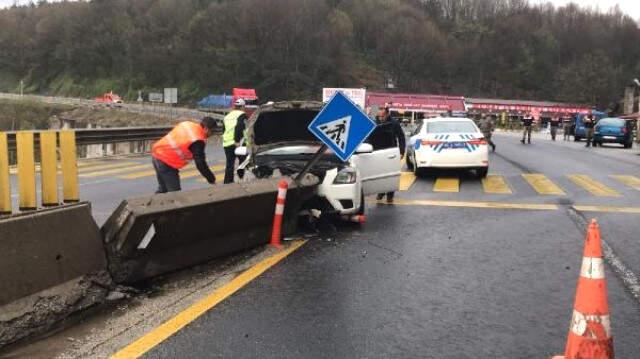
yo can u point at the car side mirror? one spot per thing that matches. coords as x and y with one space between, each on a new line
241 151
364 148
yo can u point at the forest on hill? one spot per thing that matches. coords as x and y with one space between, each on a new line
290 49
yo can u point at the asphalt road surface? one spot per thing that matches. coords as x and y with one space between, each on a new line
456 268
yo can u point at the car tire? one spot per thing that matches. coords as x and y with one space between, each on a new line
418 172
482 172
628 144
362 204
577 138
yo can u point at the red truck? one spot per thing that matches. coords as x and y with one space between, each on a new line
225 102
109 98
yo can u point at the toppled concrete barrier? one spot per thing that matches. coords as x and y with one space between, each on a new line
52 264
42 249
152 235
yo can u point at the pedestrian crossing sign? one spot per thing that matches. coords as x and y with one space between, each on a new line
342 126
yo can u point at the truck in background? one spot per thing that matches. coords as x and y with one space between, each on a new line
580 132
109 98
222 103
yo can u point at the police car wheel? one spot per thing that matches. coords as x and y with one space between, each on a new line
482 172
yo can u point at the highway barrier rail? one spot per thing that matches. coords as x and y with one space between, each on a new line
151 235
56 261
51 145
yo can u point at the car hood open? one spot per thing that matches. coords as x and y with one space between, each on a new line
282 124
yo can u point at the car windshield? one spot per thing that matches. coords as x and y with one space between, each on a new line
451 126
611 122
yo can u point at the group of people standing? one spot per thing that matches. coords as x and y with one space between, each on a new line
186 142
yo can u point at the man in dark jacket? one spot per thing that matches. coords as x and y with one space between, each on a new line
393 132
589 123
527 124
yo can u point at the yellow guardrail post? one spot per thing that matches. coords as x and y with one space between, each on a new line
69 166
49 168
26 171
5 189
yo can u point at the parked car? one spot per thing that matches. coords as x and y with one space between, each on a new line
579 131
613 130
280 142
446 142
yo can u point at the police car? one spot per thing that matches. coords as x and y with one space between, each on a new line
445 142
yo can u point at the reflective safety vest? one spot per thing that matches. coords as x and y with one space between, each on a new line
230 123
173 149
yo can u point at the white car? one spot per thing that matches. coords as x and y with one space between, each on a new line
281 142
448 143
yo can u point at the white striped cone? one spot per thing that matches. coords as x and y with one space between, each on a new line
276 235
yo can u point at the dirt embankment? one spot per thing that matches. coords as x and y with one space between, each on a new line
82 117
34 115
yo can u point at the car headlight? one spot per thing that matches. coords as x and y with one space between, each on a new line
345 176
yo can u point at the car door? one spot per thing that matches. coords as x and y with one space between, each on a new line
380 169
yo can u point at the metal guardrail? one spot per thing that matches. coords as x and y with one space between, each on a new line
96 136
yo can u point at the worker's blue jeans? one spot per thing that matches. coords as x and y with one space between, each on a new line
168 177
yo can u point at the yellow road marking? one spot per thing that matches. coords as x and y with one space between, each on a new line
594 187
94 168
81 164
608 209
406 180
495 184
631 181
194 173
219 177
492 205
446 185
114 171
173 325
542 184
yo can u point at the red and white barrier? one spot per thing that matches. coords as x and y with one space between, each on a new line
276 235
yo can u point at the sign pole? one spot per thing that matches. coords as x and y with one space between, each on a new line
312 162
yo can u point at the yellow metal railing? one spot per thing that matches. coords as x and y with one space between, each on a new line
53 145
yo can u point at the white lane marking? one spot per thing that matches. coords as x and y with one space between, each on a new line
629 278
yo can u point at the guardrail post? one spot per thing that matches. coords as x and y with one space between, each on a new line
69 166
5 189
49 168
26 171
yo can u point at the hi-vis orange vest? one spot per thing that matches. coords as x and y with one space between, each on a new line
173 149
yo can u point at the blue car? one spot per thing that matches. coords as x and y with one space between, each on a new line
579 132
613 130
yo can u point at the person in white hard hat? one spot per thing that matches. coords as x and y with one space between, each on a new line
234 132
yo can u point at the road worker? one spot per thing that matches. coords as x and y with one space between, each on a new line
232 137
589 123
487 126
184 143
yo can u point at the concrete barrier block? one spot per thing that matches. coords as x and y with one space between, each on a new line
45 248
152 235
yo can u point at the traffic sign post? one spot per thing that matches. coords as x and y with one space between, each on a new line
342 127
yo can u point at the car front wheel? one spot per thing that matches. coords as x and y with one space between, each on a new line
482 172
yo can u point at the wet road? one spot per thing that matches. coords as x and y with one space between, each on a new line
456 269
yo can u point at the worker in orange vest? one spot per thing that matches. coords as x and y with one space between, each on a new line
174 151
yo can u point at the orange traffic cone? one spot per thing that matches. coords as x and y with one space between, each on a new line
590 329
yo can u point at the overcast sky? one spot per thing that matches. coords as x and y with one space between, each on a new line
631 7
